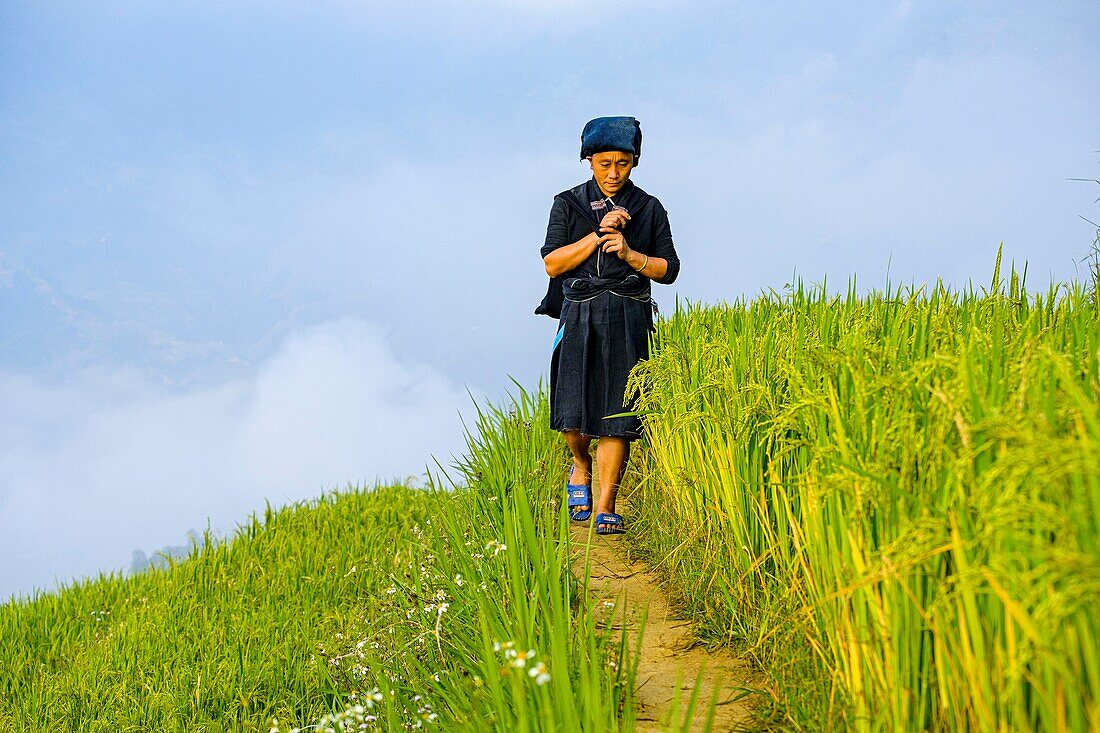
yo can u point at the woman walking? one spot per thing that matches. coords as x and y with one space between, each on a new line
607 240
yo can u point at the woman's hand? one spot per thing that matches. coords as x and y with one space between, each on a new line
613 242
616 219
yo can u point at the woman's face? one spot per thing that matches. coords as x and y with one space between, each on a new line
611 170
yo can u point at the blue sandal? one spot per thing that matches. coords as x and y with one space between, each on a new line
613 522
579 495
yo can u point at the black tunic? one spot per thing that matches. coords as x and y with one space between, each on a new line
607 315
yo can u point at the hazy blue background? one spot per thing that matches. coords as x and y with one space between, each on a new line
254 250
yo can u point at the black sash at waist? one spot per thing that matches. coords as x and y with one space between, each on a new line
579 289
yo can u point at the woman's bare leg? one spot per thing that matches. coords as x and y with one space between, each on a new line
582 459
611 456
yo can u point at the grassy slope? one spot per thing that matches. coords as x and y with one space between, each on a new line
225 637
395 599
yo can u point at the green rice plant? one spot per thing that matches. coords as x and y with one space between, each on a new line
893 499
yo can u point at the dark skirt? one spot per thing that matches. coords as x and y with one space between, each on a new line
598 342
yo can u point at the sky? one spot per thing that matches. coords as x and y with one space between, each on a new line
254 251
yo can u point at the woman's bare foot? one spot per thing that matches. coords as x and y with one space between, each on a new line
612 454
581 473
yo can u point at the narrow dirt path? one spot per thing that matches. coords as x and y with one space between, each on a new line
669 665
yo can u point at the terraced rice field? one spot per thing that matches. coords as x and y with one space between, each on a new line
882 508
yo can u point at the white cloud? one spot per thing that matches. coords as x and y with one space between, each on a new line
110 462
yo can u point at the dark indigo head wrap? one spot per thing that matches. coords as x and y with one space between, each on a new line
611 133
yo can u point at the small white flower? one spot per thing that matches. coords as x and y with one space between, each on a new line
520 659
540 673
